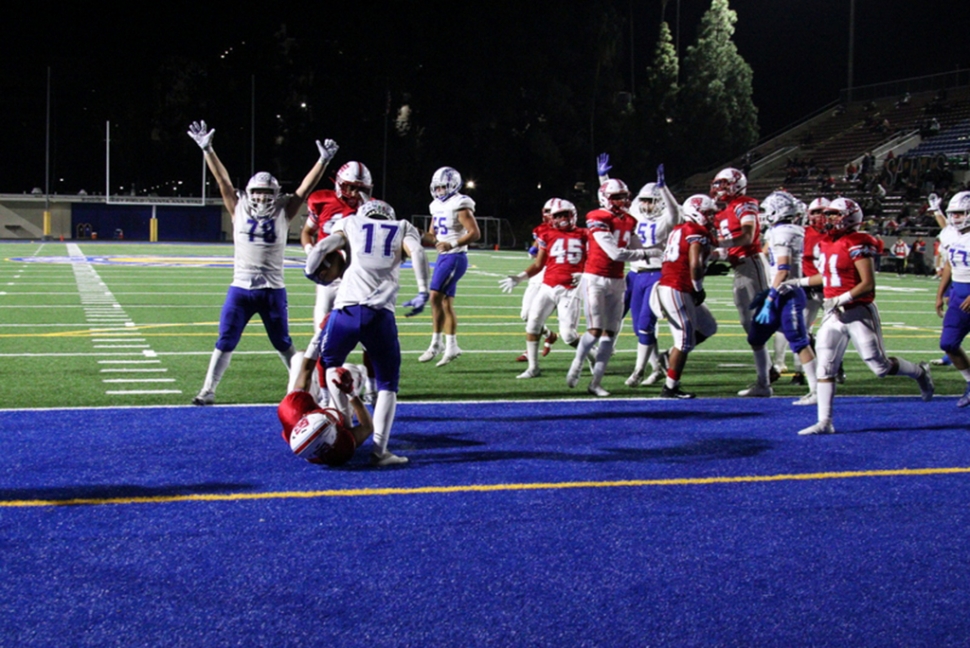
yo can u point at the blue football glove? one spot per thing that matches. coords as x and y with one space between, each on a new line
533 251
603 164
660 176
764 315
417 304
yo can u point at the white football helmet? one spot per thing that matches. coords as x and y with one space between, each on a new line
562 214
816 213
780 207
727 184
958 211
353 182
650 201
377 209
547 210
262 190
843 215
614 196
700 209
445 183
315 435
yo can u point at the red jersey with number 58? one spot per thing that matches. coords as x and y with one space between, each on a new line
598 262
565 254
675 271
837 260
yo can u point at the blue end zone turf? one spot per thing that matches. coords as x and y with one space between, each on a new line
583 522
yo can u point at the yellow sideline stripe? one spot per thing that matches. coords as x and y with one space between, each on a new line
487 488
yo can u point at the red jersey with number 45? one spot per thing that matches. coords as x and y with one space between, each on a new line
565 254
326 209
741 210
598 262
675 271
839 274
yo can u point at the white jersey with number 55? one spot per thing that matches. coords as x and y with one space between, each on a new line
445 223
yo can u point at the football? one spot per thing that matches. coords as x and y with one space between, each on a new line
325 269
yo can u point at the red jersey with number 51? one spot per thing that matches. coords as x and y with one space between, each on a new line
565 254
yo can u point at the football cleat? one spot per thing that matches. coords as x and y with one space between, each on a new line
773 374
547 344
205 398
597 391
448 357
635 378
530 373
840 375
810 398
676 392
925 381
756 391
387 459
572 376
818 428
654 377
523 358
798 378
430 354
965 399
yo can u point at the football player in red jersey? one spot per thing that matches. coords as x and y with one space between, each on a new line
849 284
352 186
535 282
679 294
298 404
738 231
560 260
611 244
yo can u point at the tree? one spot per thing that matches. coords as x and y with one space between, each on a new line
716 98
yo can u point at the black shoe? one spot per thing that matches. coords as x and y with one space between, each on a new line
667 392
773 375
798 378
840 376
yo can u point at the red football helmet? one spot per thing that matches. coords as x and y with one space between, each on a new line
842 215
614 196
727 184
353 183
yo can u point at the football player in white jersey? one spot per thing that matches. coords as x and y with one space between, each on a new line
955 286
260 220
453 227
364 308
782 307
657 213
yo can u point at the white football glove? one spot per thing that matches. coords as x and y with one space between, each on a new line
836 303
199 132
509 283
327 149
934 202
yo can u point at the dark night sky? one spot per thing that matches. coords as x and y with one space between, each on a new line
797 49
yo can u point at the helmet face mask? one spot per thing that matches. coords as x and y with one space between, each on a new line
614 196
445 183
562 214
353 183
650 202
262 190
843 215
958 211
727 184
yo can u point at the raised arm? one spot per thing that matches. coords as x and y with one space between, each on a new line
328 148
202 135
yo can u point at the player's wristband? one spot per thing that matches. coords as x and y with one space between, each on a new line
772 294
